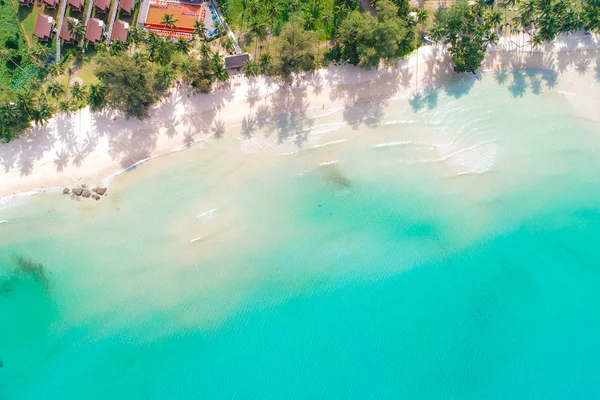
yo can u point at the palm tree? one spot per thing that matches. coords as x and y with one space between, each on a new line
199 29
78 94
8 113
163 52
70 72
76 28
274 11
219 71
97 96
42 113
182 46
139 57
35 83
251 69
166 76
259 31
169 21
66 106
38 53
205 50
265 63
136 35
25 104
228 45
152 41
54 68
55 90
117 47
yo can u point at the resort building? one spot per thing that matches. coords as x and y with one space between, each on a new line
51 3
77 5
126 6
186 13
94 30
44 27
65 34
102 5
26 3
120 31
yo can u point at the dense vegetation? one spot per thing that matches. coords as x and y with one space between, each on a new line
284 37
13 47
467 30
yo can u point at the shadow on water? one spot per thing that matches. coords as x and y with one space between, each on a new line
335 177
26 269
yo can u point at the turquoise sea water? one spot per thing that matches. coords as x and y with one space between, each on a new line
442 246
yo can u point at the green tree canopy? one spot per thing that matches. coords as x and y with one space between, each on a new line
130 84
467 30
366 40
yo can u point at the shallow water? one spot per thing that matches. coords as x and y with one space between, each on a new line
438 246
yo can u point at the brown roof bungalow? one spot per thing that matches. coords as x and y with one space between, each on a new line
102 5
65 34
120 31
76 5
50 3
95 30
236 61
126 6
44 25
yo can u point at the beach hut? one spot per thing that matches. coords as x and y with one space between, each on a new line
120 31
44 27
94 30
102 5
76 5
51 3
237 61
65 34
126 6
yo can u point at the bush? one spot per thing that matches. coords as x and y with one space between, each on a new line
12 41
14 60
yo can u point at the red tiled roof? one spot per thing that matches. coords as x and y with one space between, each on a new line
65 34
43 26
126 5
51 3
102 4
95 29
120 31
78 4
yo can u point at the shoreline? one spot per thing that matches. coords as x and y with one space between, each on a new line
94 148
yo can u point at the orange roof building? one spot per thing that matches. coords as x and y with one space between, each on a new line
185 15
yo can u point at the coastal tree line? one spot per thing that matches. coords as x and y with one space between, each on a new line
285 37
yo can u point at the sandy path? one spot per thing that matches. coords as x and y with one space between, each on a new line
87 147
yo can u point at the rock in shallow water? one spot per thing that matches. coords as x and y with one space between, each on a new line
86 193
66 191
100 190
96 197
78 191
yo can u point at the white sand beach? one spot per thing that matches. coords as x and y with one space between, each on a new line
88 147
